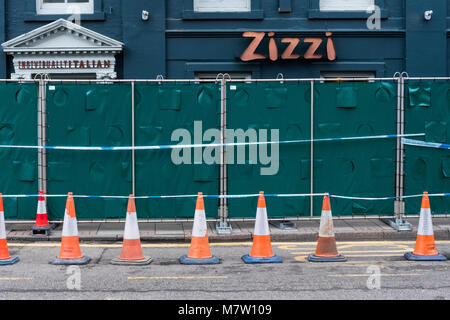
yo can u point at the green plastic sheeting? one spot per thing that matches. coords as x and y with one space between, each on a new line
270 106
357 168
89 115
364 168
427 169
170 113
160 110
18 126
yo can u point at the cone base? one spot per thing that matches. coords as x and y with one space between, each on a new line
145 261
186 260
313 258
414 257
248 259
42 228
7 262
80 261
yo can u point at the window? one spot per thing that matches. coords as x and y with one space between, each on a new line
346 5
222 5
64 6
347 74
213 75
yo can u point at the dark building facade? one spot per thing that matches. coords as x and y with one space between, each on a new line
182 39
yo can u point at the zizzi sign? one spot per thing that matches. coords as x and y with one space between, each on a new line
65 64
288 53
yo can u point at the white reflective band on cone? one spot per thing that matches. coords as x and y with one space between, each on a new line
199 228
261 223
131 227
70 228
326 225
41 207
2 226
425 224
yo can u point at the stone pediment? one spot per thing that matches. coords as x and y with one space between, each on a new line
62 36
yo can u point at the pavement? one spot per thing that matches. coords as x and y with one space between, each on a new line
373 270
306 230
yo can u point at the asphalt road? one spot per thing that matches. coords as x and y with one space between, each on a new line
166 279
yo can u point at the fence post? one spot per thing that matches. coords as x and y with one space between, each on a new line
39 134
223 226
133 139
312 151
398 222
42 135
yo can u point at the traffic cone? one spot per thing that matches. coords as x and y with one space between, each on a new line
262 248
41 226
425 249
70 252
199 252
5 258
131 249
326 250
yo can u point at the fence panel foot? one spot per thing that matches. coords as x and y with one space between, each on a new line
283 224
223 227
398 224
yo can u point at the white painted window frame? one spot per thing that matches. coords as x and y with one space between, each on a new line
339 6
220 6
64 8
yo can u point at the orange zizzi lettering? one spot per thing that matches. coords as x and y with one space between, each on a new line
249 54
288 54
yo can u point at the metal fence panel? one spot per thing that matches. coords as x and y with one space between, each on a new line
89 115
18 126
162 108
271 105
361 168
427 169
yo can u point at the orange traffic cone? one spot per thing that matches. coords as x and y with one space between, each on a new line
199 253
262 248
326 250
5 258
131 249
70 252
425 249
41 226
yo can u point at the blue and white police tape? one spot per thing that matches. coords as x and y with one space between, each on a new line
419 143
211 145
292 195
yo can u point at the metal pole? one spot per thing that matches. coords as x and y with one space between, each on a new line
222 153
312 150
39 137
133 139
402 150
397 170
398 221
44 135
222 226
